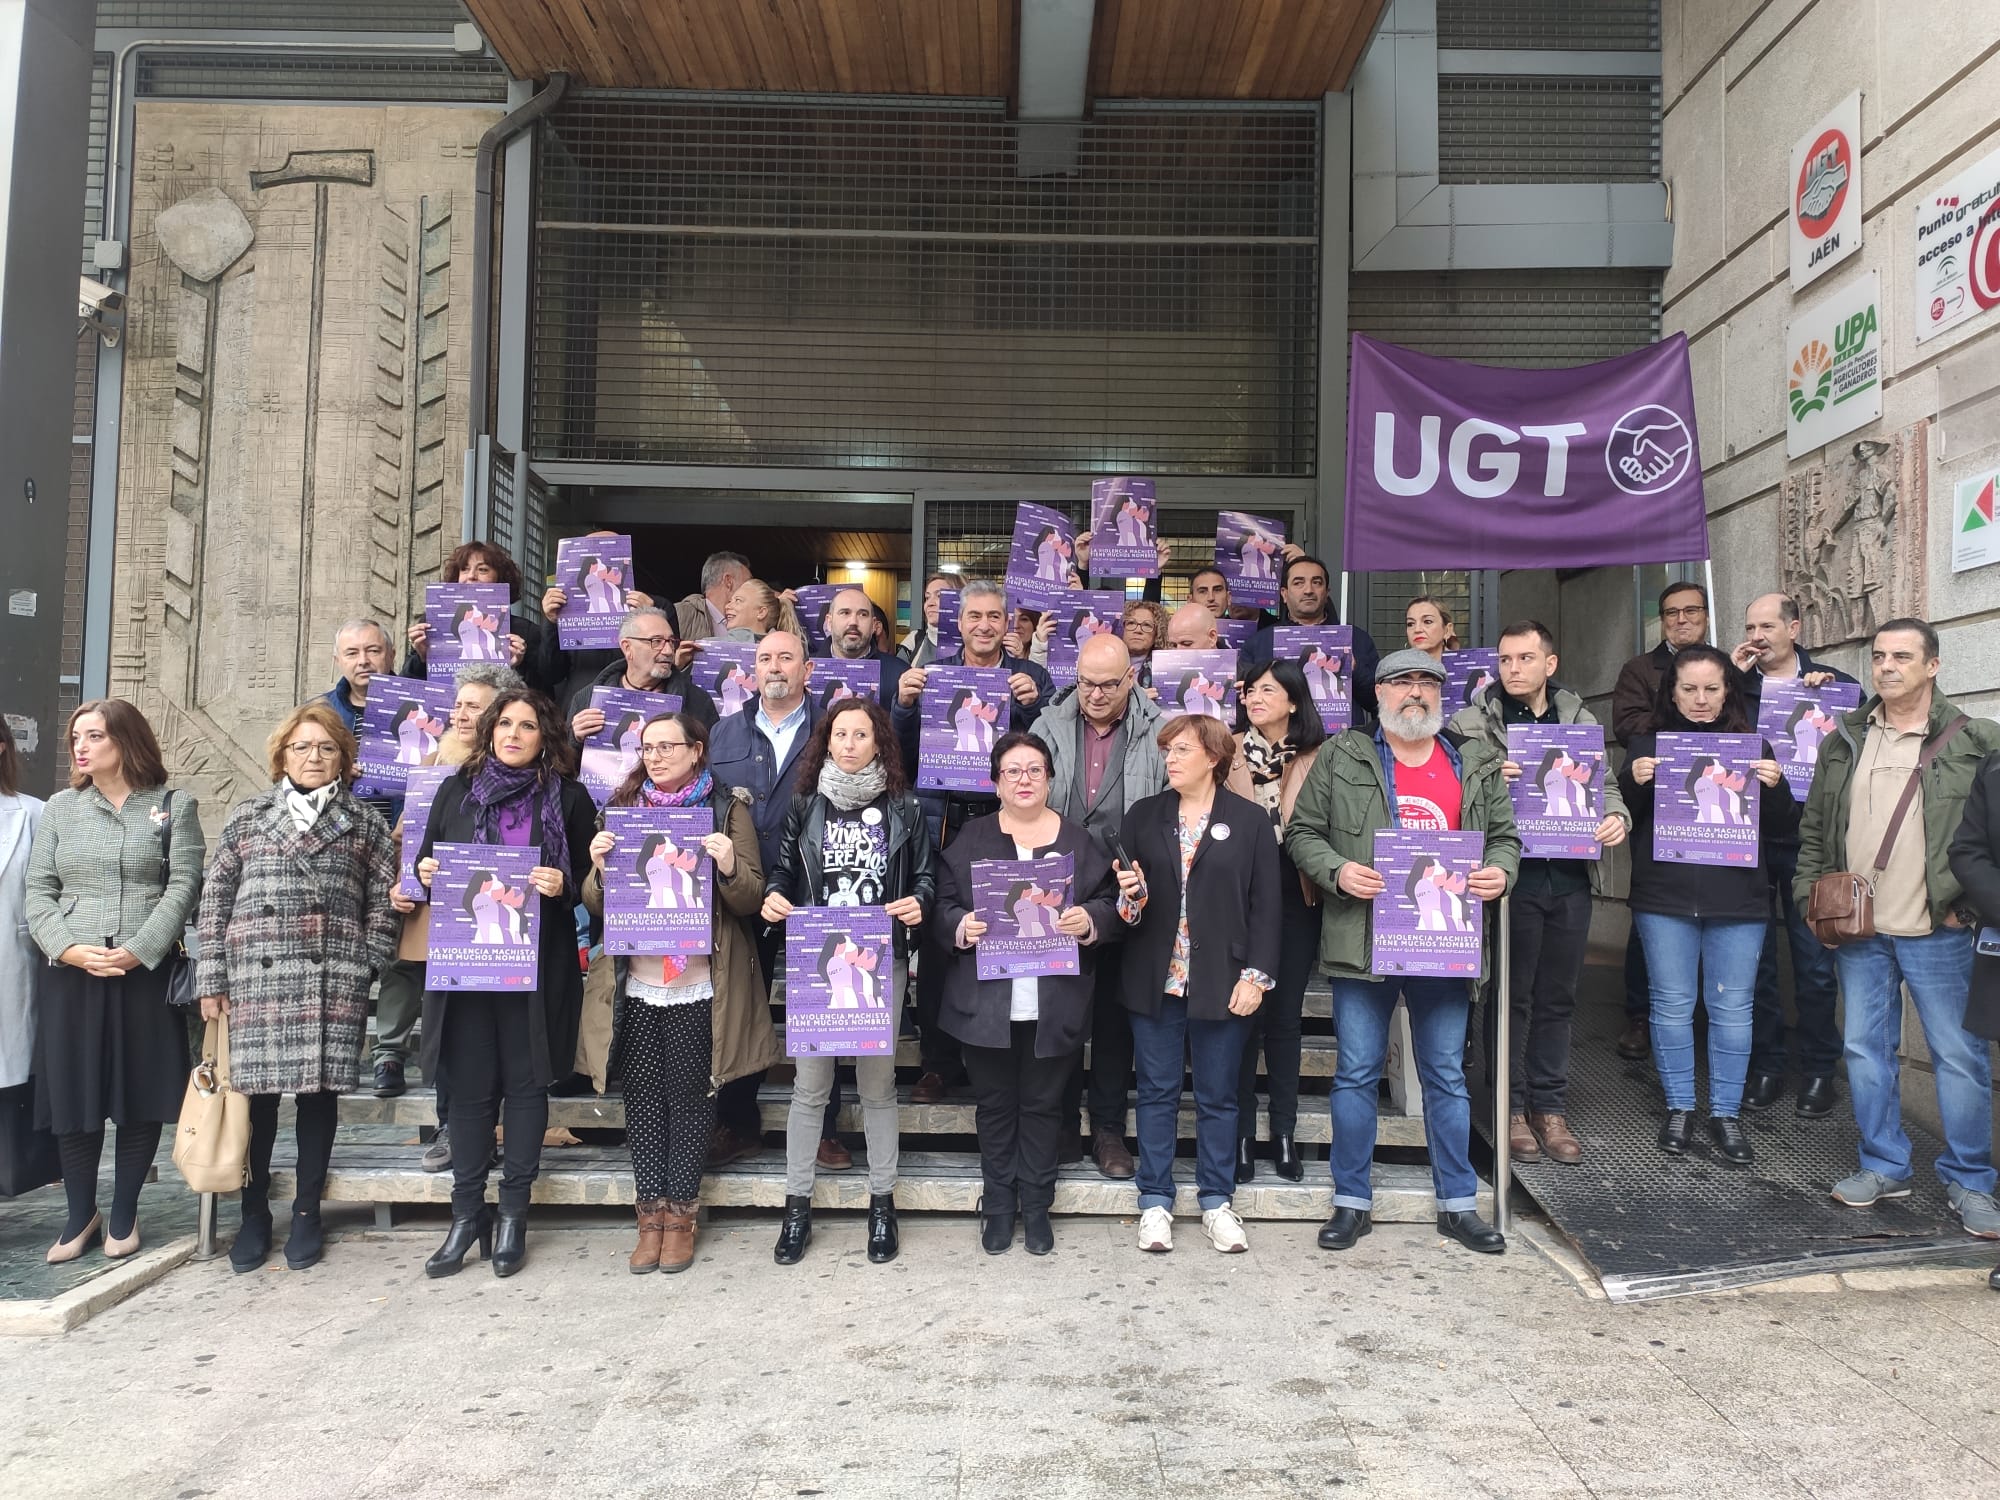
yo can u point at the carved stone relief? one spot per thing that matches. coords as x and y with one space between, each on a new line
298 291
1854 531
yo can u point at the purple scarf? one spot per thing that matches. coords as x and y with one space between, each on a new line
499 790
694 793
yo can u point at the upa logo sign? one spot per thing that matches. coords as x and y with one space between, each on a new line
1826 193
1835 383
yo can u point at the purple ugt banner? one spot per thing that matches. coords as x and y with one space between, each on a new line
1796 718
1706 805
1325 653
840 970
1019 901
1559 795
659 883
1247 552
1426 921
419 792
593 572
468 623
485 918
727 672
610 754
401 725
1455 465
962 714
1124 529
1042 560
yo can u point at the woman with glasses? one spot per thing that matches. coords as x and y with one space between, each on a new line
1202 889
502 1050
855 829
296 923
1023 1038
682 1026
1273 757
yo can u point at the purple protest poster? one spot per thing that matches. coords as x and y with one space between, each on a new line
659 883
834 678
1467 674
1325 653
1019 901
1705 799
485 918
1196 682
1124 529
814 600
1042 560
840 970
1248 552
419 792
1796 718
949 641
468 622
610 754
963 712
1236 634
400 728
1559 795
1083 614
727 672
594 573
1426 923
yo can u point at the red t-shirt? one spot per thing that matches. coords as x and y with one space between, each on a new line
1428 796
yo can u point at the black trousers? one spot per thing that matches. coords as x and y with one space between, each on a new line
487 1048
1551 934
667 1106
319 1113
1275 1028
1110 1050
1018 1101
736 1101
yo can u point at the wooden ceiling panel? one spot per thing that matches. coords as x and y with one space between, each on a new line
1141 49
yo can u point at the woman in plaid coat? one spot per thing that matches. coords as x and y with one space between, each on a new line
295 925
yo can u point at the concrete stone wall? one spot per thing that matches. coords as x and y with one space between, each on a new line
294 407
1743 79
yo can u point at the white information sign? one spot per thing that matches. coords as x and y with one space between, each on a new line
1958 249
1826 193
1834 384
1975 529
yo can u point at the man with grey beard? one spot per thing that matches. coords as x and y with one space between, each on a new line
1402 775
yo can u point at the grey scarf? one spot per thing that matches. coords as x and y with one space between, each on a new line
848 790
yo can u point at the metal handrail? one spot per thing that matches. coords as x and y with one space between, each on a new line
1503 1053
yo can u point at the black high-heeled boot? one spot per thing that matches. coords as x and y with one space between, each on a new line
996 1233
796 1232
882 1238
510 1243
1036 1231
1246 1161
473 1229
307 1241
1288 1163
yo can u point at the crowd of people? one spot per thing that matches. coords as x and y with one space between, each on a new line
1215 871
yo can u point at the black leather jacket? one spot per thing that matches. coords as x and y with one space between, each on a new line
802 880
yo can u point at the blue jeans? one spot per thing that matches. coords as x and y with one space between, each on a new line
1938 969
1682 953
1814 991
1163 1046
1439 1011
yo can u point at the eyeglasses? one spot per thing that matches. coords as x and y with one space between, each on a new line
1689 612
655 751
315 750
1023 773
1411 684
654 642
1099 689
1181 749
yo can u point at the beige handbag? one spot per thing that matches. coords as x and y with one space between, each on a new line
212 1141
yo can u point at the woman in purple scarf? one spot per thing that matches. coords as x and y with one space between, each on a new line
503 1050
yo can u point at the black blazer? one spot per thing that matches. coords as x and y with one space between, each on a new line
975 1010
556 1006
1975 860
1234 904
799 875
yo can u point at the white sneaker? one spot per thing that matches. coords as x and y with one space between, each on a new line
1156 1230
1225 1230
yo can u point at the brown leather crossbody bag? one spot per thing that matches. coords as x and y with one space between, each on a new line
1841 908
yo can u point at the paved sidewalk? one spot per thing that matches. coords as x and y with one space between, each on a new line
1404 1368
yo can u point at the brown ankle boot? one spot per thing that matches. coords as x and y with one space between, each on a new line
676 1251
652 1214
1557 1139
1521 1142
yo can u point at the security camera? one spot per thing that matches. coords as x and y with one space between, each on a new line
101 309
